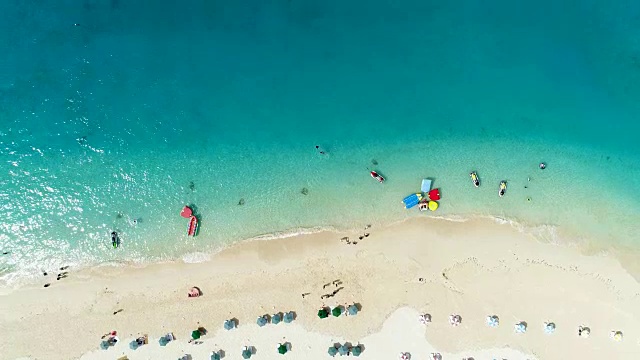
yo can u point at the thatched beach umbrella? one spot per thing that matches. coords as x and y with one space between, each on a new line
352 309
289 317
323 313
337 311
229 324
246 353
333 351
262 321
282 349
356 350
344 349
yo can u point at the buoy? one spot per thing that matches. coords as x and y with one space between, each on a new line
186 212
433 205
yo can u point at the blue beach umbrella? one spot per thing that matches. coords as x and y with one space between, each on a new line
333 351
343 350
262 321
133 345
104 345
352 309
356 350
229 324
246 353
215 355
289 317
276 318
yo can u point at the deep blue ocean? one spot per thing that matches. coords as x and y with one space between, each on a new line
114 111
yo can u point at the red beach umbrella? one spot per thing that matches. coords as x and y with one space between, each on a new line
434 194
186 212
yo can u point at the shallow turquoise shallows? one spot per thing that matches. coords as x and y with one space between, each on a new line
111 112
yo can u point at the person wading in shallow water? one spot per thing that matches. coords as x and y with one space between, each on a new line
320 151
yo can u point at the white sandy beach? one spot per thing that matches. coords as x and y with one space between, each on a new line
474 269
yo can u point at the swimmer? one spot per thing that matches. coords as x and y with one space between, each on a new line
542 166
320 151
115 241
528 199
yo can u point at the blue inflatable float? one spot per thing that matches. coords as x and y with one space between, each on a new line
412 200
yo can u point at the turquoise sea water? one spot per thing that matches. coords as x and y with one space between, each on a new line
145 107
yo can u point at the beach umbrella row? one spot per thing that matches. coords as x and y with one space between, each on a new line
337 311
345 349
275 318
521 327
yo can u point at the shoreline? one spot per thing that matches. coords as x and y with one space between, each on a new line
490 268
545 233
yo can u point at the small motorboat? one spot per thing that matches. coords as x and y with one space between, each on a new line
192 229
503 188
115 239
475 179
377 176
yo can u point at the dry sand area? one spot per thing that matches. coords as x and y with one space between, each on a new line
473 269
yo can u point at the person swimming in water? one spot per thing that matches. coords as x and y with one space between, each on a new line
115 241
542 166
320 151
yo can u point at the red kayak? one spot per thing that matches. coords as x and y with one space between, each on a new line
192 229
377 176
